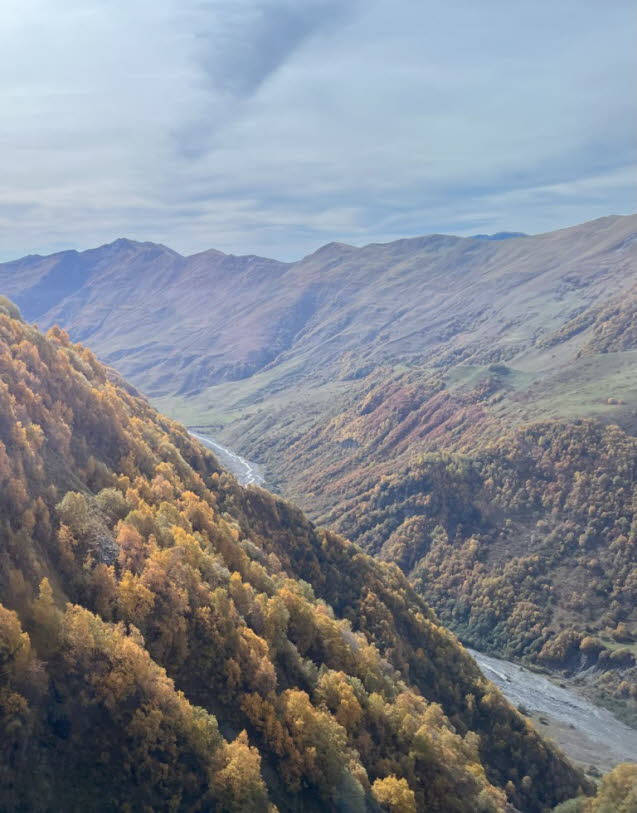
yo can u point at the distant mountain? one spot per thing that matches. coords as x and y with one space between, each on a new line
501 235
176 325
148 309
172 641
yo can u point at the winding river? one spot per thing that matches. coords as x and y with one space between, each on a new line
247 473
588 734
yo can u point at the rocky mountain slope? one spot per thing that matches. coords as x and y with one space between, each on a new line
170 640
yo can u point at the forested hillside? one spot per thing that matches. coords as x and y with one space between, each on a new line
523 537
169 640
617 794
345 372
460 408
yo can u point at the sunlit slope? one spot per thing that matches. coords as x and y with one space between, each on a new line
171 640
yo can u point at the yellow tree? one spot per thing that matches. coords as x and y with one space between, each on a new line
394 795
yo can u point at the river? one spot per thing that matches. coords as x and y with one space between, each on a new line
588 734
246 472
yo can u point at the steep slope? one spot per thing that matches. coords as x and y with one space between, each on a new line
169 640
178 325
341 369
532 504
340 372
617 794
520 533
525 547
151 310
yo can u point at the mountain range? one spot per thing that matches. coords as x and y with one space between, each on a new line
464 408
176 326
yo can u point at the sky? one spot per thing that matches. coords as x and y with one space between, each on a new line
274 126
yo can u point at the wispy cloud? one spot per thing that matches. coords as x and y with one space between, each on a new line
239 45
243 43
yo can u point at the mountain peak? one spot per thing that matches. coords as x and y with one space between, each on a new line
126 244
333 248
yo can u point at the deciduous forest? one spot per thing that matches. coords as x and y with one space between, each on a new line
170 640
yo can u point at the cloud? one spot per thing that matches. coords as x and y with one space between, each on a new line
239 46
272 126
245 42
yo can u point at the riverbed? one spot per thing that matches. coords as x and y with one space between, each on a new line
588 734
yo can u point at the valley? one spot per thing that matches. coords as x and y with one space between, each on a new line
246 472
156 612
590 736
462 410
318 407
457 406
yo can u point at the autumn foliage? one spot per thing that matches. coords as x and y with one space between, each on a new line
171 641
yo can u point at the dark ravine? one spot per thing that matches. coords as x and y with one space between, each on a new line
588 734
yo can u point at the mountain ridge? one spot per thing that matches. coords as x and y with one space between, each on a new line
481 236
310 306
